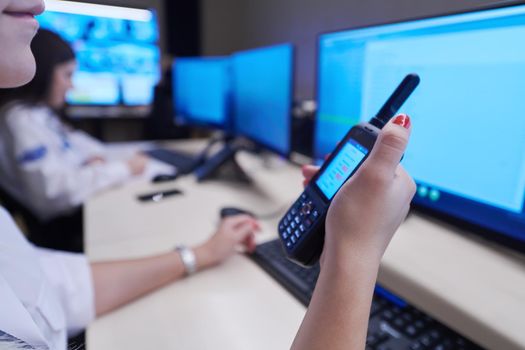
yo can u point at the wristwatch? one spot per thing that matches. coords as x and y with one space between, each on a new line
188 259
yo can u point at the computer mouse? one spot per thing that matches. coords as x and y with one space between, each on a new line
231 211
164 178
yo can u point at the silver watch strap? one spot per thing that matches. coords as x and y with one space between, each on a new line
188 259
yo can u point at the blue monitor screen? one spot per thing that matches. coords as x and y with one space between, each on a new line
201 88
262 93
116 50
467 151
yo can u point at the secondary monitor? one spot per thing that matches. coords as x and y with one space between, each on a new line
467 151
202 88
262 94
116 48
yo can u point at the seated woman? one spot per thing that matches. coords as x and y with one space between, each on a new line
45 165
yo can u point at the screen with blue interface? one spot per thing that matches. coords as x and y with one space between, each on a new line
341 168
116 49
467 151
262 94
201 88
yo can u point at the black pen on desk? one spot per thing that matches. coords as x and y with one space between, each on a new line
158 195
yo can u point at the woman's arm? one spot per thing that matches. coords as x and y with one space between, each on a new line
120 282
360 224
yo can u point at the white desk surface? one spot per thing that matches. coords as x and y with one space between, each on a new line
474 287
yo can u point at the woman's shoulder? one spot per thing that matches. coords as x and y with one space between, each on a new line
18 112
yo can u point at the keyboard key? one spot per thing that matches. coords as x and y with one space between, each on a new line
408 317
435 335
371 340
388 315
426 340
396 310
399 323
297 233
384 347
416 346
420 325
297 220
410 331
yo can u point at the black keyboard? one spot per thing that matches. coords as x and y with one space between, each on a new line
184 163
394 324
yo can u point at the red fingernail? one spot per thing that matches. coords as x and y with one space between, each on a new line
402 120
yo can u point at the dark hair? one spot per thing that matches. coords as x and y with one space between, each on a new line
49 50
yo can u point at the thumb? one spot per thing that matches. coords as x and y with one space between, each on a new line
390 145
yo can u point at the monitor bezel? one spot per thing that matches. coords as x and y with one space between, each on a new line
258 143
489 234
179 119
123 107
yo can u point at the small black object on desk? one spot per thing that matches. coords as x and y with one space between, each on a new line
164 178
231 211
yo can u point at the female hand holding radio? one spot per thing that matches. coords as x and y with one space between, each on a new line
360 223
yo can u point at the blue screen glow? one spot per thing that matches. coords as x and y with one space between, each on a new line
341 168
262 93
467 151
202 90
118 59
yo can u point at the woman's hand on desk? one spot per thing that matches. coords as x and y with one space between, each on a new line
119 282
232 232
95 160
137 163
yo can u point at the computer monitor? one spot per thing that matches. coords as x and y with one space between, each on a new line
262 95
467 151
116 48
201 91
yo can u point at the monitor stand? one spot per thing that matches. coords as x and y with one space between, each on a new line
223 165
202 157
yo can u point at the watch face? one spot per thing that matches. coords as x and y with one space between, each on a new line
188 259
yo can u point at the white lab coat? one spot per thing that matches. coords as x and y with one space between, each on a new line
44 295
42 162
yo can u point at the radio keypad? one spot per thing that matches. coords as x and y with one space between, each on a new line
301 216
